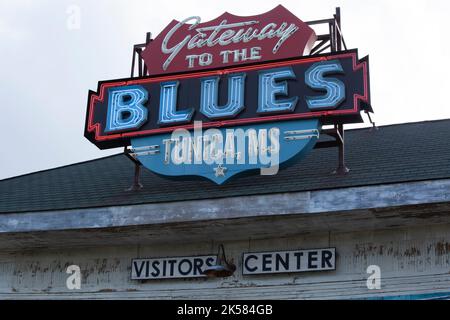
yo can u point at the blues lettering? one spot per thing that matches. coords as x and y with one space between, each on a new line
335 88
125 108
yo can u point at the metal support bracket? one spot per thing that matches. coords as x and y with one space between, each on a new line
137 50
332 41
342 168
137 185
339 141
142 71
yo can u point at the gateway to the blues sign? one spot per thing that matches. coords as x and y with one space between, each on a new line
224 97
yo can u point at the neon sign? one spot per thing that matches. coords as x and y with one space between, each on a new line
228 40
217 123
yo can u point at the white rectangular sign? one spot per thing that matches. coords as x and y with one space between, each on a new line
289 261
166 268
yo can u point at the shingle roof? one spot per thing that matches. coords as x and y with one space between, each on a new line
391 154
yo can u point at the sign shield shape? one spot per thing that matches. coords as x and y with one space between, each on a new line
235 150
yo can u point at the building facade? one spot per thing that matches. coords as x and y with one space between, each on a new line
387 219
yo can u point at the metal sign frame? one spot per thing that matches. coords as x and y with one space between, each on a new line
332 41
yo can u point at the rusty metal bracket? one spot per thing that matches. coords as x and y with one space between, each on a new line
332 41
339 141
137 50
342 168
137 185
142 71
374 127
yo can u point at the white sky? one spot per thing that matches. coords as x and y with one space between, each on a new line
47 69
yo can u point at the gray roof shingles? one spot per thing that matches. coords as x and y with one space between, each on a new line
391 154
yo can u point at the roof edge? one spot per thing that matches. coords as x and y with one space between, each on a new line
60 167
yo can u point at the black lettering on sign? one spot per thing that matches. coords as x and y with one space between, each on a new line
164 267
210 262
326 259
147 268
198 264
250 256
173 267
288 261
138 270
279 260
187 270
312 257
155 266
171 263
298 255
266 262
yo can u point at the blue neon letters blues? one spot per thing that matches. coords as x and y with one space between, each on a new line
269 86
127 110
209 97
335 88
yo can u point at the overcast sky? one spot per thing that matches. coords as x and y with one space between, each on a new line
48 68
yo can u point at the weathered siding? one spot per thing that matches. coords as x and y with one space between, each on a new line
412 260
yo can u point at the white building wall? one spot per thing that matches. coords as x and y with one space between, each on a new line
413 260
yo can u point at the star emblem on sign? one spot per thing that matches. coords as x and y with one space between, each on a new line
220 171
